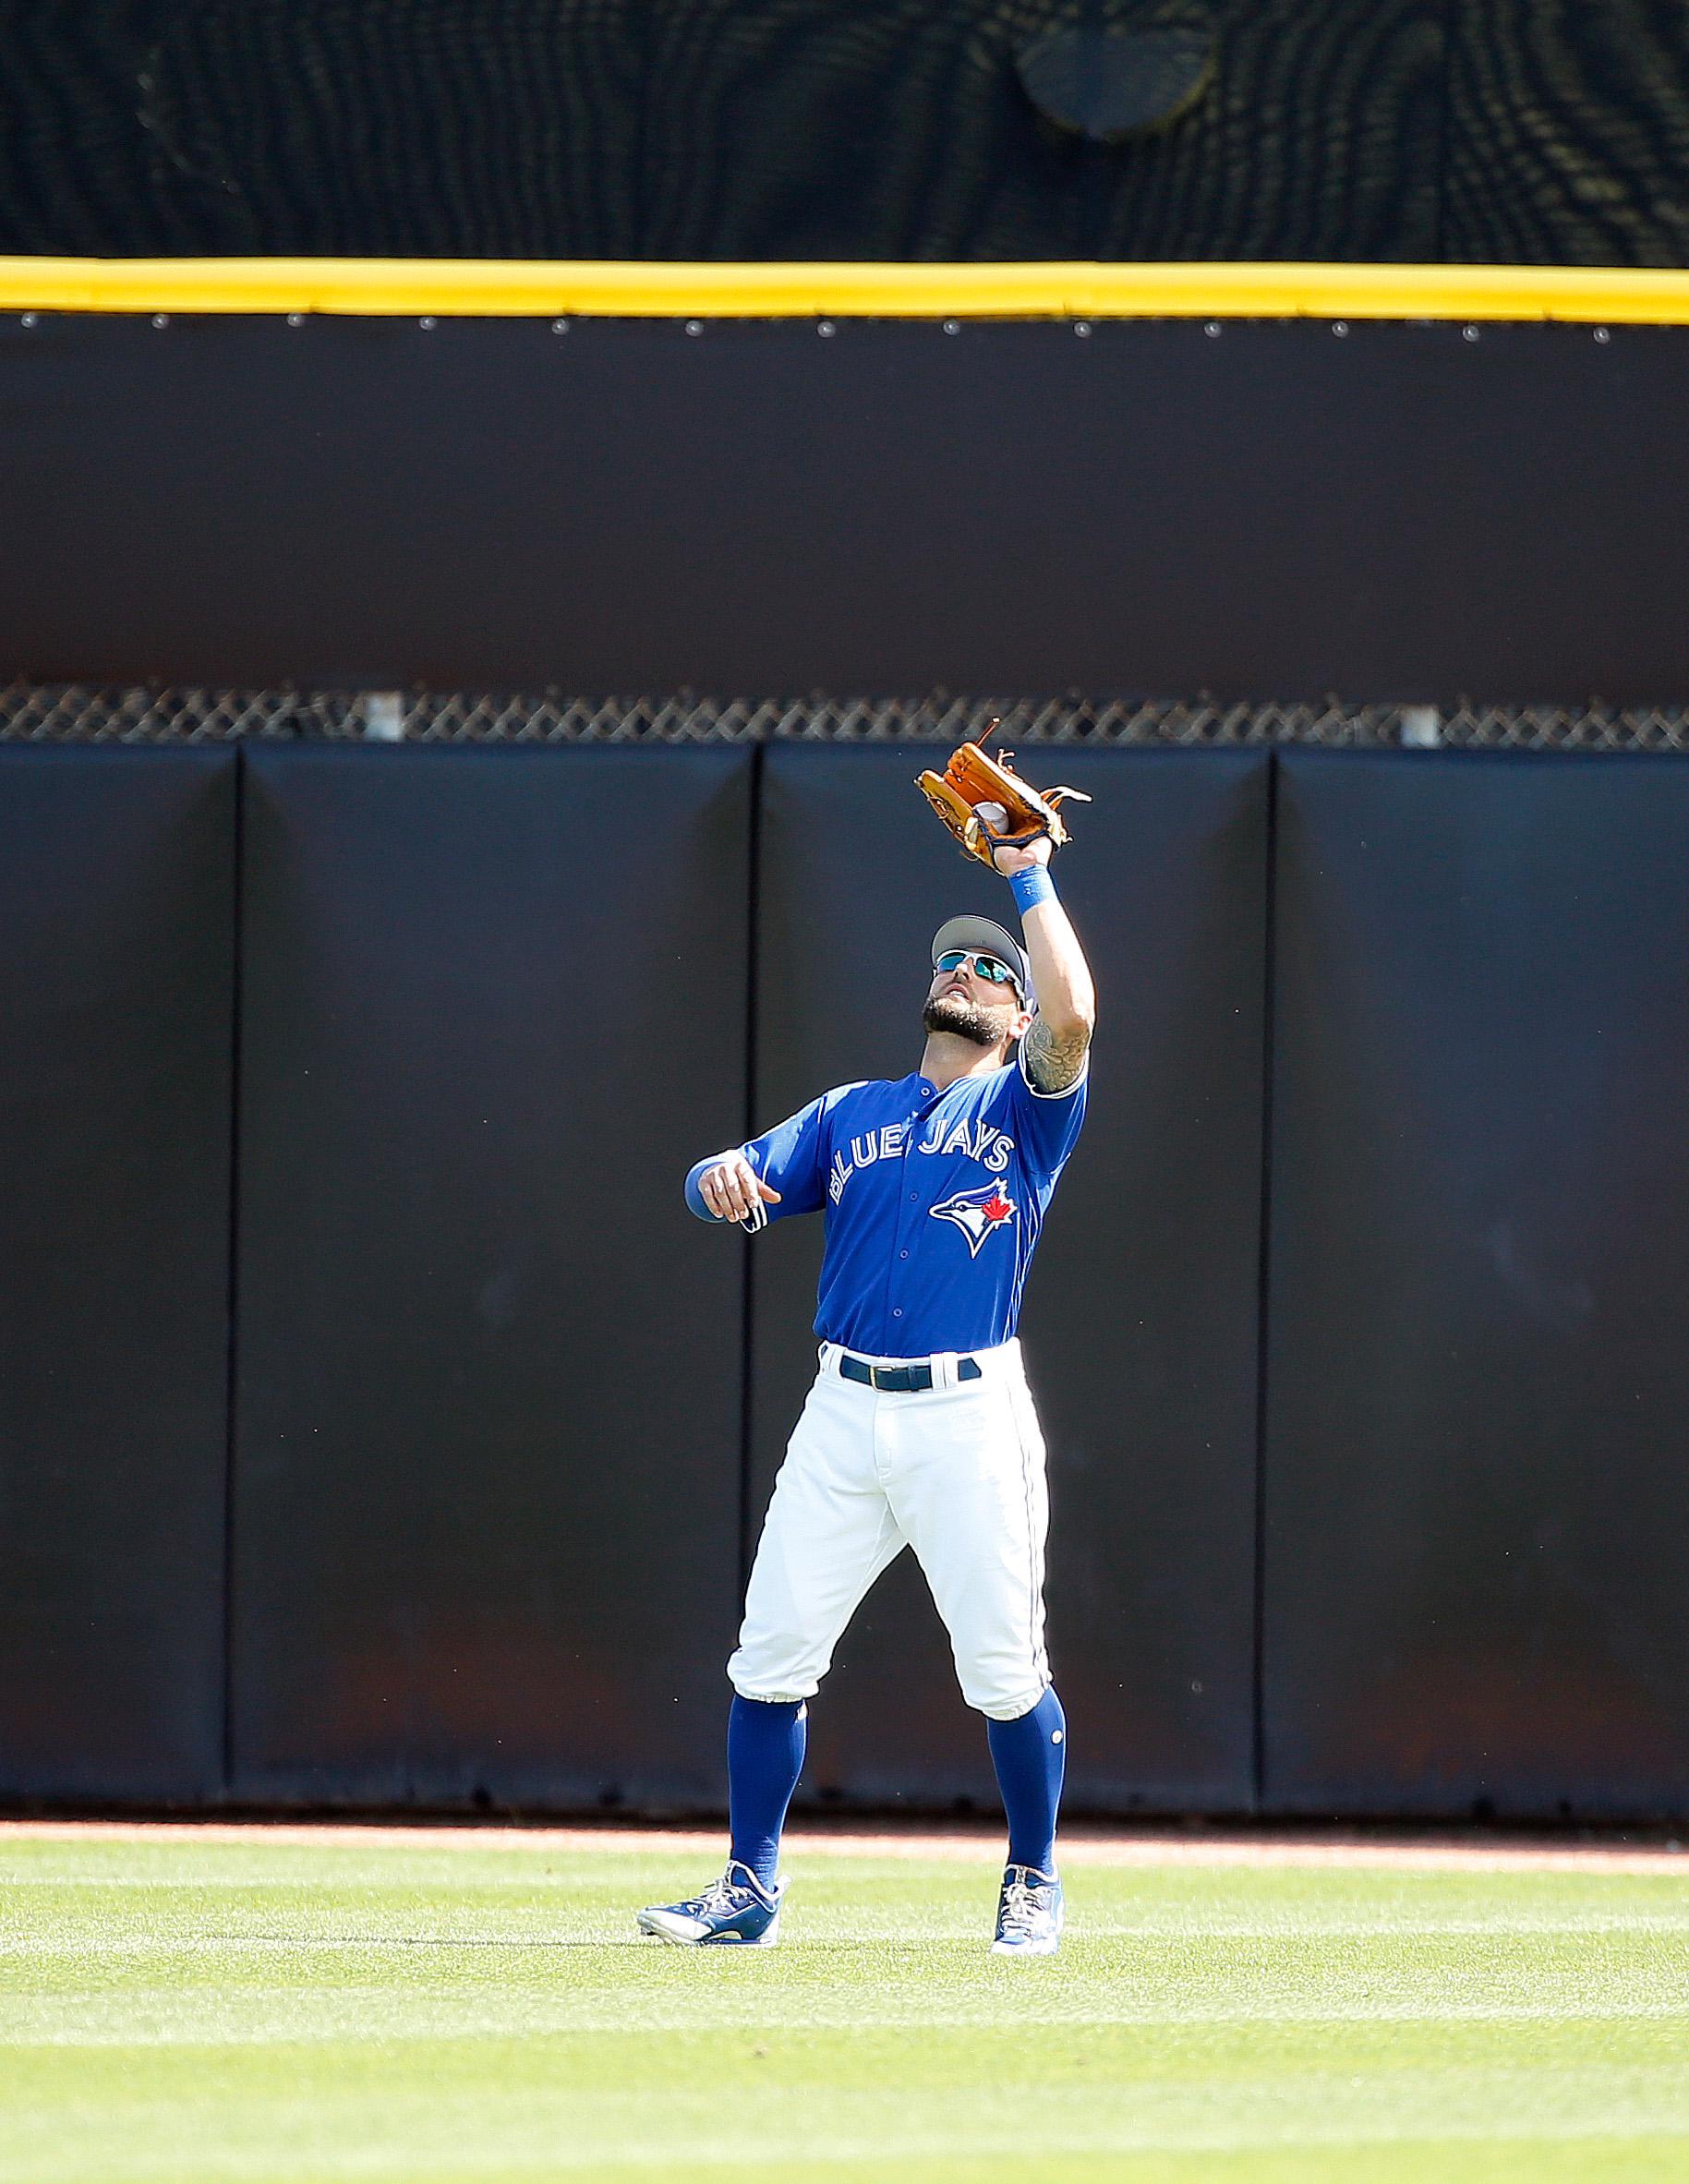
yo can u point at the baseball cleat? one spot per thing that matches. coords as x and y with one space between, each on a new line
736 1909
1029 1913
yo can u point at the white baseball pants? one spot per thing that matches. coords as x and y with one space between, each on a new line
955 1471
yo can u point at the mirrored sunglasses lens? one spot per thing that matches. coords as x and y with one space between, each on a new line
988 967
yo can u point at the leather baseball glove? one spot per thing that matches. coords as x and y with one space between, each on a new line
987 806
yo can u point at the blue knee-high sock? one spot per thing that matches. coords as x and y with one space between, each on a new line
1029 1755
765 1757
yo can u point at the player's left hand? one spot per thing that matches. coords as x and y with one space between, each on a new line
1020 857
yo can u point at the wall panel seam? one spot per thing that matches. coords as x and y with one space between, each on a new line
1264 1284
231 1349
747 1319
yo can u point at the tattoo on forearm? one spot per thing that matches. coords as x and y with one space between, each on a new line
1053 1064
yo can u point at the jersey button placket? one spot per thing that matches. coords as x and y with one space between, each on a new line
894 1312
915 1129
883 1423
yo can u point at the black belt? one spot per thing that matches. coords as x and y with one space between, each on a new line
900 1379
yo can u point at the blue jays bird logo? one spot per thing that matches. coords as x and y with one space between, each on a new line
978 1214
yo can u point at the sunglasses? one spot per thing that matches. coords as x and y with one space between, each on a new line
988 967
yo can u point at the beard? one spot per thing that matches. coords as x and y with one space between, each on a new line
964 1019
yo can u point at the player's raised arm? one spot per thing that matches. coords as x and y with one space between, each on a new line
1054 1049
1007 824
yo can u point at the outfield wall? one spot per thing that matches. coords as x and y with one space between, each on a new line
1457 508
380 1430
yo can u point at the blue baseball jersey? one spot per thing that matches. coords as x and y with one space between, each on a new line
934 1204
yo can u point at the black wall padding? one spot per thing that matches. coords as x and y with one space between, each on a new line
117 970
1270 511
488 1434
1476 1490
1141 1315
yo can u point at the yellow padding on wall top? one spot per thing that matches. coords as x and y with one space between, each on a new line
373 287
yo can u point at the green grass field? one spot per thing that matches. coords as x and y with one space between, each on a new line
255 2010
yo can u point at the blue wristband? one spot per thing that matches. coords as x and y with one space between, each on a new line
1030 885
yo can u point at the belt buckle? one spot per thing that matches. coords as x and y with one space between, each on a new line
899 1380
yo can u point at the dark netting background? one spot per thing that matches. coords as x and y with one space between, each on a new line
69 713
1505 131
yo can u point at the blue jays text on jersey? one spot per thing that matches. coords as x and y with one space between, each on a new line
933 1202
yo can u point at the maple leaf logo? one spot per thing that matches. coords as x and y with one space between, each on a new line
978 1214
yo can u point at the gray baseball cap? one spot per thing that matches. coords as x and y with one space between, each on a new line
980 936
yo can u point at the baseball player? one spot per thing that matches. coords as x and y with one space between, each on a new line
918 1429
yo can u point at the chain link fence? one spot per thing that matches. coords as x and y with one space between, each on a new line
41 713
